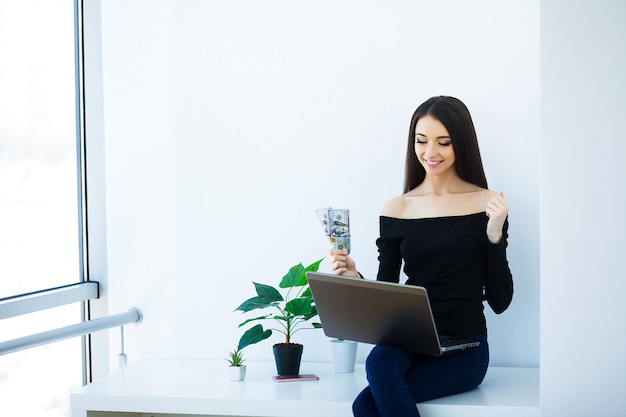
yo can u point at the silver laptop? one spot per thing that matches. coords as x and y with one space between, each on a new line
380 313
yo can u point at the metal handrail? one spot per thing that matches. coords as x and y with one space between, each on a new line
53 297
131 316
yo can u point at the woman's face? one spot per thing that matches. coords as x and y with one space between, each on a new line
433 146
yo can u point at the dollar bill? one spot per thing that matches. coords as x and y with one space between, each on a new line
336 225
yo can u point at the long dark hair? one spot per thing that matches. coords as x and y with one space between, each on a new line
455 116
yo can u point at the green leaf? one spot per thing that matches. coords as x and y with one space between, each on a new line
291 278
254 303
299 306
314 267
296 277
317 325
255 319
253 335
312 314
268 292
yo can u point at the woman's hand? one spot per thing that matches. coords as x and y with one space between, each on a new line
342 264
497 210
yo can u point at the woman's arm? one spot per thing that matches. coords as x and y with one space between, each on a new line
499 285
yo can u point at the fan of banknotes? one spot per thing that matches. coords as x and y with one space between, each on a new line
336 224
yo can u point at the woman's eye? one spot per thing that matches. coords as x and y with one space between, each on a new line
445 143
418 140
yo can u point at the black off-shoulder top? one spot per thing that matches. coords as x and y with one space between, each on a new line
453 259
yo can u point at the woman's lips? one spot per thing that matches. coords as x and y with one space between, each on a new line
432 163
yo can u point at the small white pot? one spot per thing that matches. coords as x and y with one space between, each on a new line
344 355
237 373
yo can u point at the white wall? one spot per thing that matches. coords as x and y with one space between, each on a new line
583 201
228 123
140 173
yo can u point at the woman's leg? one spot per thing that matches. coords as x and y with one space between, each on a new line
388 394
433 377
399 379
364 404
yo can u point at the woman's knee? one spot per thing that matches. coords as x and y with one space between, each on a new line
378 356
385 359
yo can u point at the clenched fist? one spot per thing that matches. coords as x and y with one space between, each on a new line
497 210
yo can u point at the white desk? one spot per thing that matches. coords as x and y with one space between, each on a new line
201 388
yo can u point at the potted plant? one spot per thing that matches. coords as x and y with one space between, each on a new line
291 313
236 368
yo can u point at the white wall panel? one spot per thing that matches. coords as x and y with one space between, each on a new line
228 123
583 201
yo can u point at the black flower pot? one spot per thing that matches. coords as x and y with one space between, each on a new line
287 357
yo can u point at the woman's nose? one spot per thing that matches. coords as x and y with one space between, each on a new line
430 149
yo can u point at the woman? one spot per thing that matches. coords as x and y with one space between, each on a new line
450 231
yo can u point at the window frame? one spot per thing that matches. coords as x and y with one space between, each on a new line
85 290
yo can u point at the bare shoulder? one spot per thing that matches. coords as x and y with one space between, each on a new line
486 194
421 203
394 207
469 199
481 197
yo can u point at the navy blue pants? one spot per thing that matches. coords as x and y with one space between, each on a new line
399 379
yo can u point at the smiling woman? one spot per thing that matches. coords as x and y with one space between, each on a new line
39 245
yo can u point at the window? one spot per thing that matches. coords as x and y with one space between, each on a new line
39 210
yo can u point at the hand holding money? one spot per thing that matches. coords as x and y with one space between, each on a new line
342 264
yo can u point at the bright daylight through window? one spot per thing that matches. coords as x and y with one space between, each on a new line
39 227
